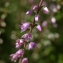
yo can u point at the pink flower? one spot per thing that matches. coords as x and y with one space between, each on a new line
14 57
29 12
27 37
35 7
45 10
32 45
24 60
19 43
39 27
20 52
36 18
24 26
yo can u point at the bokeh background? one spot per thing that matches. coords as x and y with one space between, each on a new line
50 40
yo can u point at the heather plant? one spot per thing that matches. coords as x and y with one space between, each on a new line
27 37
39 29
25 42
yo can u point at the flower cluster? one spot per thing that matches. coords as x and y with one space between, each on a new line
27 37
25 40
16 55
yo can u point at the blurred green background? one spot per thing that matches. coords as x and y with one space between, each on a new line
50 40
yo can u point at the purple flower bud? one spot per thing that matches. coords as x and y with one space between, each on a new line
32 45
19 43
24 60
36 18
44 23
27 37
39 27
29 12
24 26
20 53
35 7
14 57
45 10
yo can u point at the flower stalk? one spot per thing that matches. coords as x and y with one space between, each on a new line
26 38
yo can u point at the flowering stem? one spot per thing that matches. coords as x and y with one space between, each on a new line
39 7
26 38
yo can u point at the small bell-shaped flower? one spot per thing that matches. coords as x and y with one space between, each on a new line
24 60
32 45
14 57
39 27
24 26
36 18
29 12
20 52
27 37
19 43
45 10
35 7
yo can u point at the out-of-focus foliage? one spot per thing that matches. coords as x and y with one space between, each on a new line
50 40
